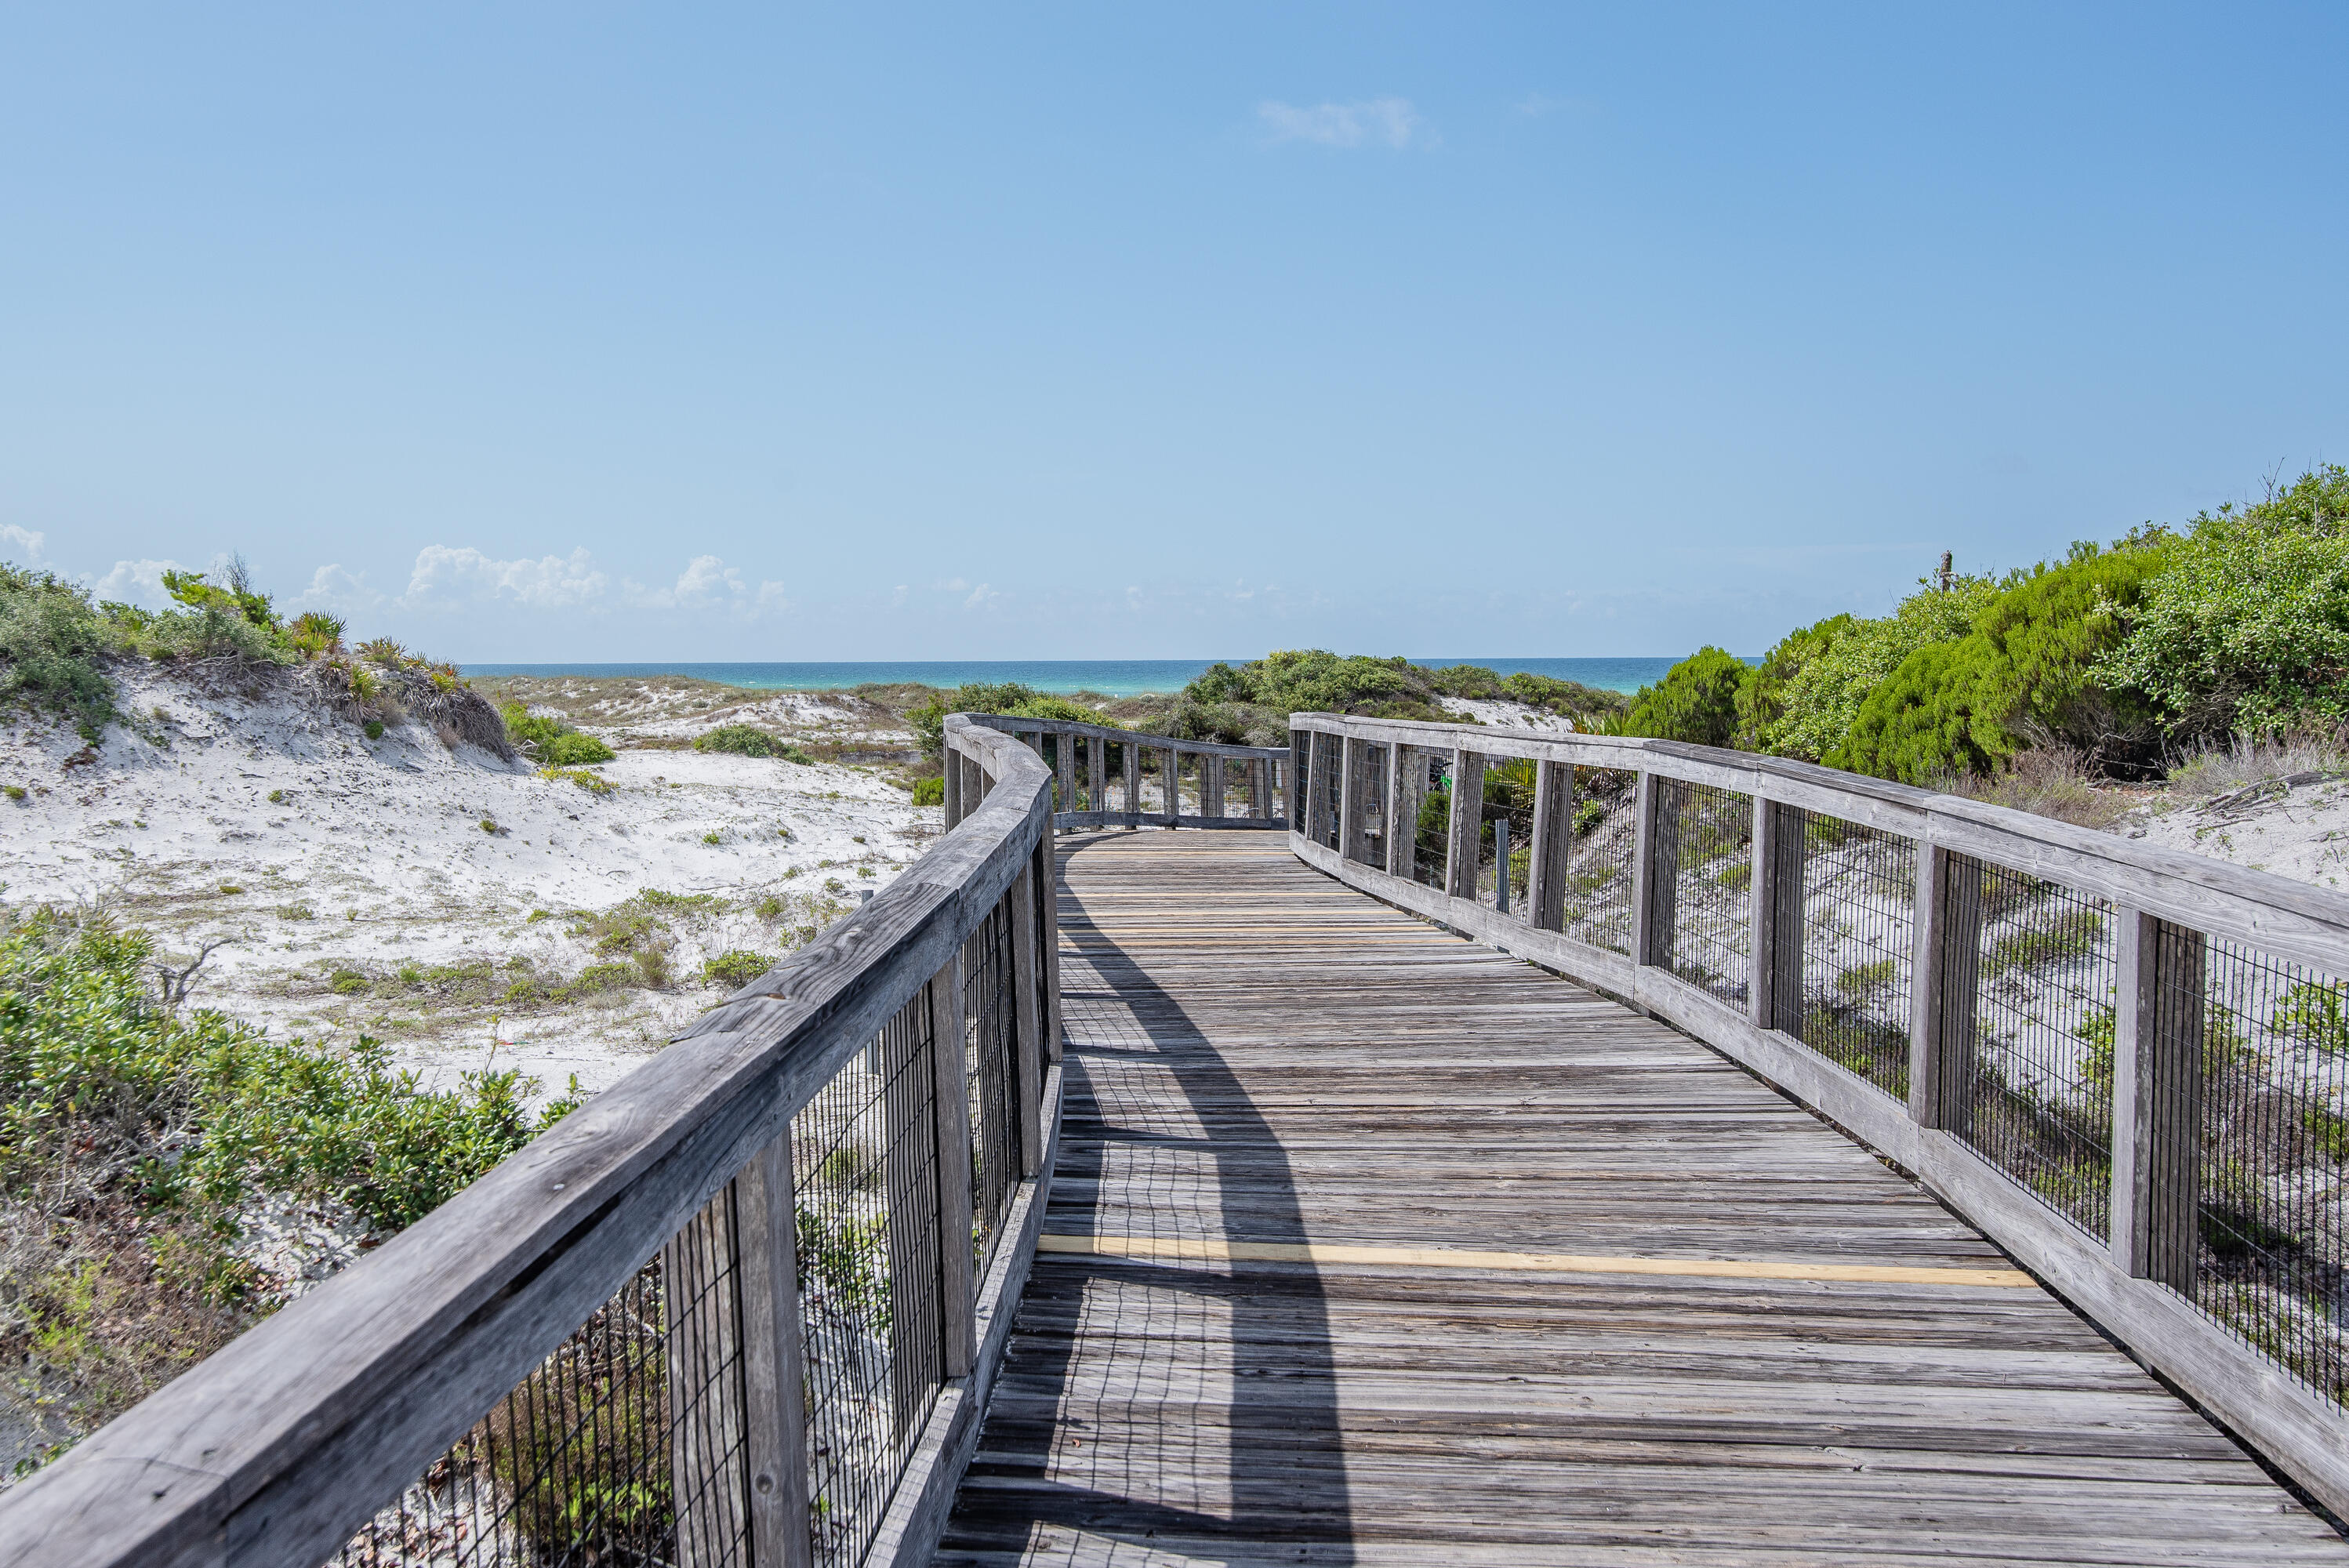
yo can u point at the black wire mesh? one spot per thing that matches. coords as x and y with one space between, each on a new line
1855 910
1712 885
1431 828
1599 868
864 1153
626 1448
1371 851
2273 1094
2038 1033
1330 780
990 1072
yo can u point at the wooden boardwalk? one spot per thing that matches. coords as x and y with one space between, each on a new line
1368 1244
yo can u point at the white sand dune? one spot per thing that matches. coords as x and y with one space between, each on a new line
322 856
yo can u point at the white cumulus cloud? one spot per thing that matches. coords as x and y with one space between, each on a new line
445 578
982 597
139 582
708 583
332 588
23 541
1392 120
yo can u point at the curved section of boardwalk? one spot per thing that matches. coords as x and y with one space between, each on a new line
1370 1246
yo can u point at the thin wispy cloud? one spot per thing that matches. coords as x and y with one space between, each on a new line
1389 120
23 543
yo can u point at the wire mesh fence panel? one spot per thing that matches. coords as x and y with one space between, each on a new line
1508 801
1599 867
989 1069
1372 851
1856 905
1712 892
623 1449
864 1153
2040 962
2274 1093
1431 820
1331 783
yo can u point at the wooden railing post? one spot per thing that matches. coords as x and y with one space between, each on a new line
1046 874
1353 763
1130 755
1467 824
1946 972
950 771
1211 785
950 1102
1064 754
774 1375
1300 749
1656 870
1774 998
1553 844
1029 1015
1400 840
2158 1043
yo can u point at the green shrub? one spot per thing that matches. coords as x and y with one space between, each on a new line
51 643
2248 630
593 783
747 740
738 966
91 1067
374 728
2026 672
1832 665
1250 704
1695 702
930 791
550 740
572 749
1010 698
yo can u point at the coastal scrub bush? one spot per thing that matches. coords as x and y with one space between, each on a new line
1008 698
593 783
550 740
134 1138
2248 629
1697 701
1249 703
749 740
1831 666
736 967
2027 671
930 791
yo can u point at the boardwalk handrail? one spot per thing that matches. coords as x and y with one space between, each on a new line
739 1308
2127 1066
1093 793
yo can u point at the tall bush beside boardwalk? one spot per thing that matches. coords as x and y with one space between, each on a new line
2248 629
1697 701
2026 673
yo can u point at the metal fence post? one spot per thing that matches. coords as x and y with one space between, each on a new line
1500 865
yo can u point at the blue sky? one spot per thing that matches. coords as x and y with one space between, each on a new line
597 332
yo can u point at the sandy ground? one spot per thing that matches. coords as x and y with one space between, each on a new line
440 900
2300 831
1503 714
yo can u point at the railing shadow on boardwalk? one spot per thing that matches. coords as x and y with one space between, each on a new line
1285 1466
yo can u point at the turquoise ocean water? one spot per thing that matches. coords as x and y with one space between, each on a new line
1110 678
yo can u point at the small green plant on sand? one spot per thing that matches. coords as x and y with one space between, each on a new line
736 967
747 740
